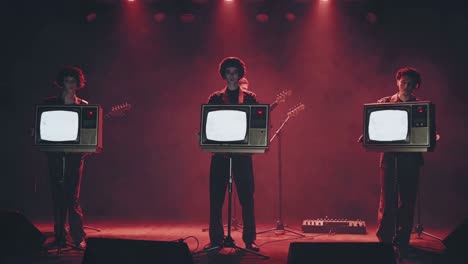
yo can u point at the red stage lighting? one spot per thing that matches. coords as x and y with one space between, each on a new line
187 18
159 17
290 16
262 18
91 17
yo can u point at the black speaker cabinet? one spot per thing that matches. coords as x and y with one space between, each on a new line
342 253
116 251
18 237
457 241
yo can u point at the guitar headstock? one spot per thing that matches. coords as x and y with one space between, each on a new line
281 97
119 110
296 110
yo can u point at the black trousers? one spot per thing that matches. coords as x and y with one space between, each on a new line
397 202
66 193
244 179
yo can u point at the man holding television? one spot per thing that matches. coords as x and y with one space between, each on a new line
66 189
408 80
232 69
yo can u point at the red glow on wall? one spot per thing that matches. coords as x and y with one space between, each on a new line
187 18
290 16
262 18
159 17
91 17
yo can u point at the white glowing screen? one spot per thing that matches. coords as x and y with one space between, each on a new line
59 125
388 125
226 125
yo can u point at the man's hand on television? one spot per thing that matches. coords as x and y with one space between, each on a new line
437 136
360 139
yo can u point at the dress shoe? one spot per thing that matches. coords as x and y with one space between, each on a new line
252 247
80 244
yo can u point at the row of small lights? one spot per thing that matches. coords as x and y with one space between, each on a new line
226 0
159 17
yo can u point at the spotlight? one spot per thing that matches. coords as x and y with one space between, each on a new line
291 9
91 17
263 11
89 10
185 9
159 17
290 16
161 11
371 17
262 17
187 18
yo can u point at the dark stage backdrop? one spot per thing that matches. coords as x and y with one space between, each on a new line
332 58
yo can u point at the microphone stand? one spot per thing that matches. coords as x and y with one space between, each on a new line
228 242
279 222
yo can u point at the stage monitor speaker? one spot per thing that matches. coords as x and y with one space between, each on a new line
18 236
457 241
340 253
116 251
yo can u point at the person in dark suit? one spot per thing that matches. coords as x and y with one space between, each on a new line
65 181
232 70
395 221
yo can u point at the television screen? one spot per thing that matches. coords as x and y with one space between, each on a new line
399 127
59 126
234 128
226 125
388 125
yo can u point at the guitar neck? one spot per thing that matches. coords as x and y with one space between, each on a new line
273 105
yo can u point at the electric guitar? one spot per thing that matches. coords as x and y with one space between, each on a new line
291 113
281 97
295 110
119 110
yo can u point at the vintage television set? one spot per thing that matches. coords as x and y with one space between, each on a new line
399 127
68 128
234 128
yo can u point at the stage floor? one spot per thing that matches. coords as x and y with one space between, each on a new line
274 244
